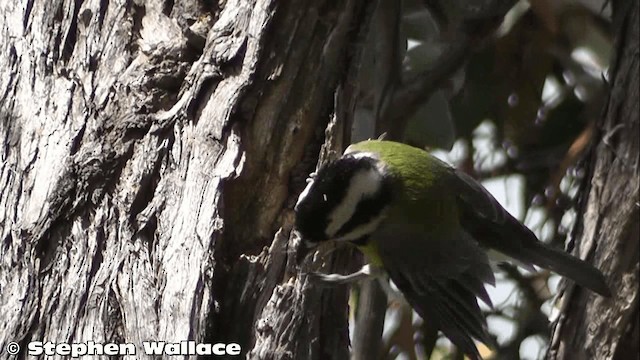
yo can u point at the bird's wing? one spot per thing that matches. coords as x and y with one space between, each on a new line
440 276
493 227
477 197
489 223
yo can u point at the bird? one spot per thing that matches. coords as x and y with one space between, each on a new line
427 227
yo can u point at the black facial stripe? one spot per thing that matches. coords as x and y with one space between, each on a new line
361 241
327 192
368 208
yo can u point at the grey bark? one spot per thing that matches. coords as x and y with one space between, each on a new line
151 153
592 327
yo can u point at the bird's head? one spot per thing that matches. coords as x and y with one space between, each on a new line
344 201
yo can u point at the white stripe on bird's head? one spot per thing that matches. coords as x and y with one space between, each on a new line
365 183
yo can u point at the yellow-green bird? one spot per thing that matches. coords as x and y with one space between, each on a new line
428 227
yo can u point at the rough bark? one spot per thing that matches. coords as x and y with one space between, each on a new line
592 327
151 151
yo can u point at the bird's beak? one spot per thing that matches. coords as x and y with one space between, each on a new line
304 249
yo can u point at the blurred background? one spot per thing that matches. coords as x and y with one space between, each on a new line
517 113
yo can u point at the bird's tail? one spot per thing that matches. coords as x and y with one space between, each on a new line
517 241
558 261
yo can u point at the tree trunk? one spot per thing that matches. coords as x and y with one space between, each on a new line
592 327
151 155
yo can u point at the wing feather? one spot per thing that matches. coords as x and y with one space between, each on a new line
493 227
477 197
441 282
476 286
436 311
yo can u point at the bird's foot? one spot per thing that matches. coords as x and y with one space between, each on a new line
365 272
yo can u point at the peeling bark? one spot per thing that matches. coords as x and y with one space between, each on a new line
151 154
